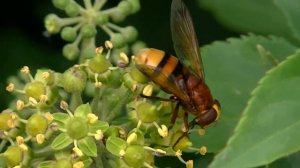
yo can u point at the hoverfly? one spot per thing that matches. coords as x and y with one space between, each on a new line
186 81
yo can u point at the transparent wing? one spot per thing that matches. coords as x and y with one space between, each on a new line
168 83
185 39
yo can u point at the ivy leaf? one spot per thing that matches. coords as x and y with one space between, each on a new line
88 146
46 164
246 16
61 141
269 128
233 69
98 125
83 110
114 145
290 9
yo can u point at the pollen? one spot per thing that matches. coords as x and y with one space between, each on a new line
203 150
10 87
20 104
108 44
25 70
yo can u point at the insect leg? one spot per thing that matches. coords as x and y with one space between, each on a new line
171 99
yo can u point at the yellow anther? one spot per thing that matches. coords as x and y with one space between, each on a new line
99 135
178 153
20 104
108 45
98 84
32 101
25 70
11 123
122 152
49 116
40 138
134 87
123 58
148 90
163 131
131 138
203 150
19 140
92 118
10 87
189 164
45 75
99 50
201 131
43 98
78 164
64 105
23 147
77 151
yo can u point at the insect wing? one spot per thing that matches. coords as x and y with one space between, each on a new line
167 83
185 39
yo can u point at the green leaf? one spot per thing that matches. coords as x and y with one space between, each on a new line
98 125
232 70
61 119
46 164
247 16
269 128
290 9
83 110
88 146
61 141
114 145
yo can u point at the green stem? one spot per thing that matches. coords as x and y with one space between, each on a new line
87 4
107 30
69 21
2 144
99 4
110 10
115 27
76 100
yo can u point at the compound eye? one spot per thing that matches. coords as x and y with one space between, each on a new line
207 118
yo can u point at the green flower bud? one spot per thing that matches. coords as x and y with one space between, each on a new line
74 80
138 75
118 40
128 81
4 117
129 33
37 124
71 51
64 163
35 89
13 156
125 7
68 34
77 128
137 46
114 78
101 19
88 31
60 4
135 156
117 16
72 9
135 5
88 52
52 23
147 112
99 64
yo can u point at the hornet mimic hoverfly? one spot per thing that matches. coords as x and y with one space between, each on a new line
185 81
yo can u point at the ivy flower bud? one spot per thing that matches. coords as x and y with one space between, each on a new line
77 151
147 112
125 7
4 117
129 33
72 9
13 156
138 46
74 80
99 64
68 34
36 124
53 23
203 150
71 51
35 89
10 87
135 156
92 118
19 105
135 5
118 40
40 138
101 19
88 31
60 4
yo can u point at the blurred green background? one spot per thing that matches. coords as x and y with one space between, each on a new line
23 40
